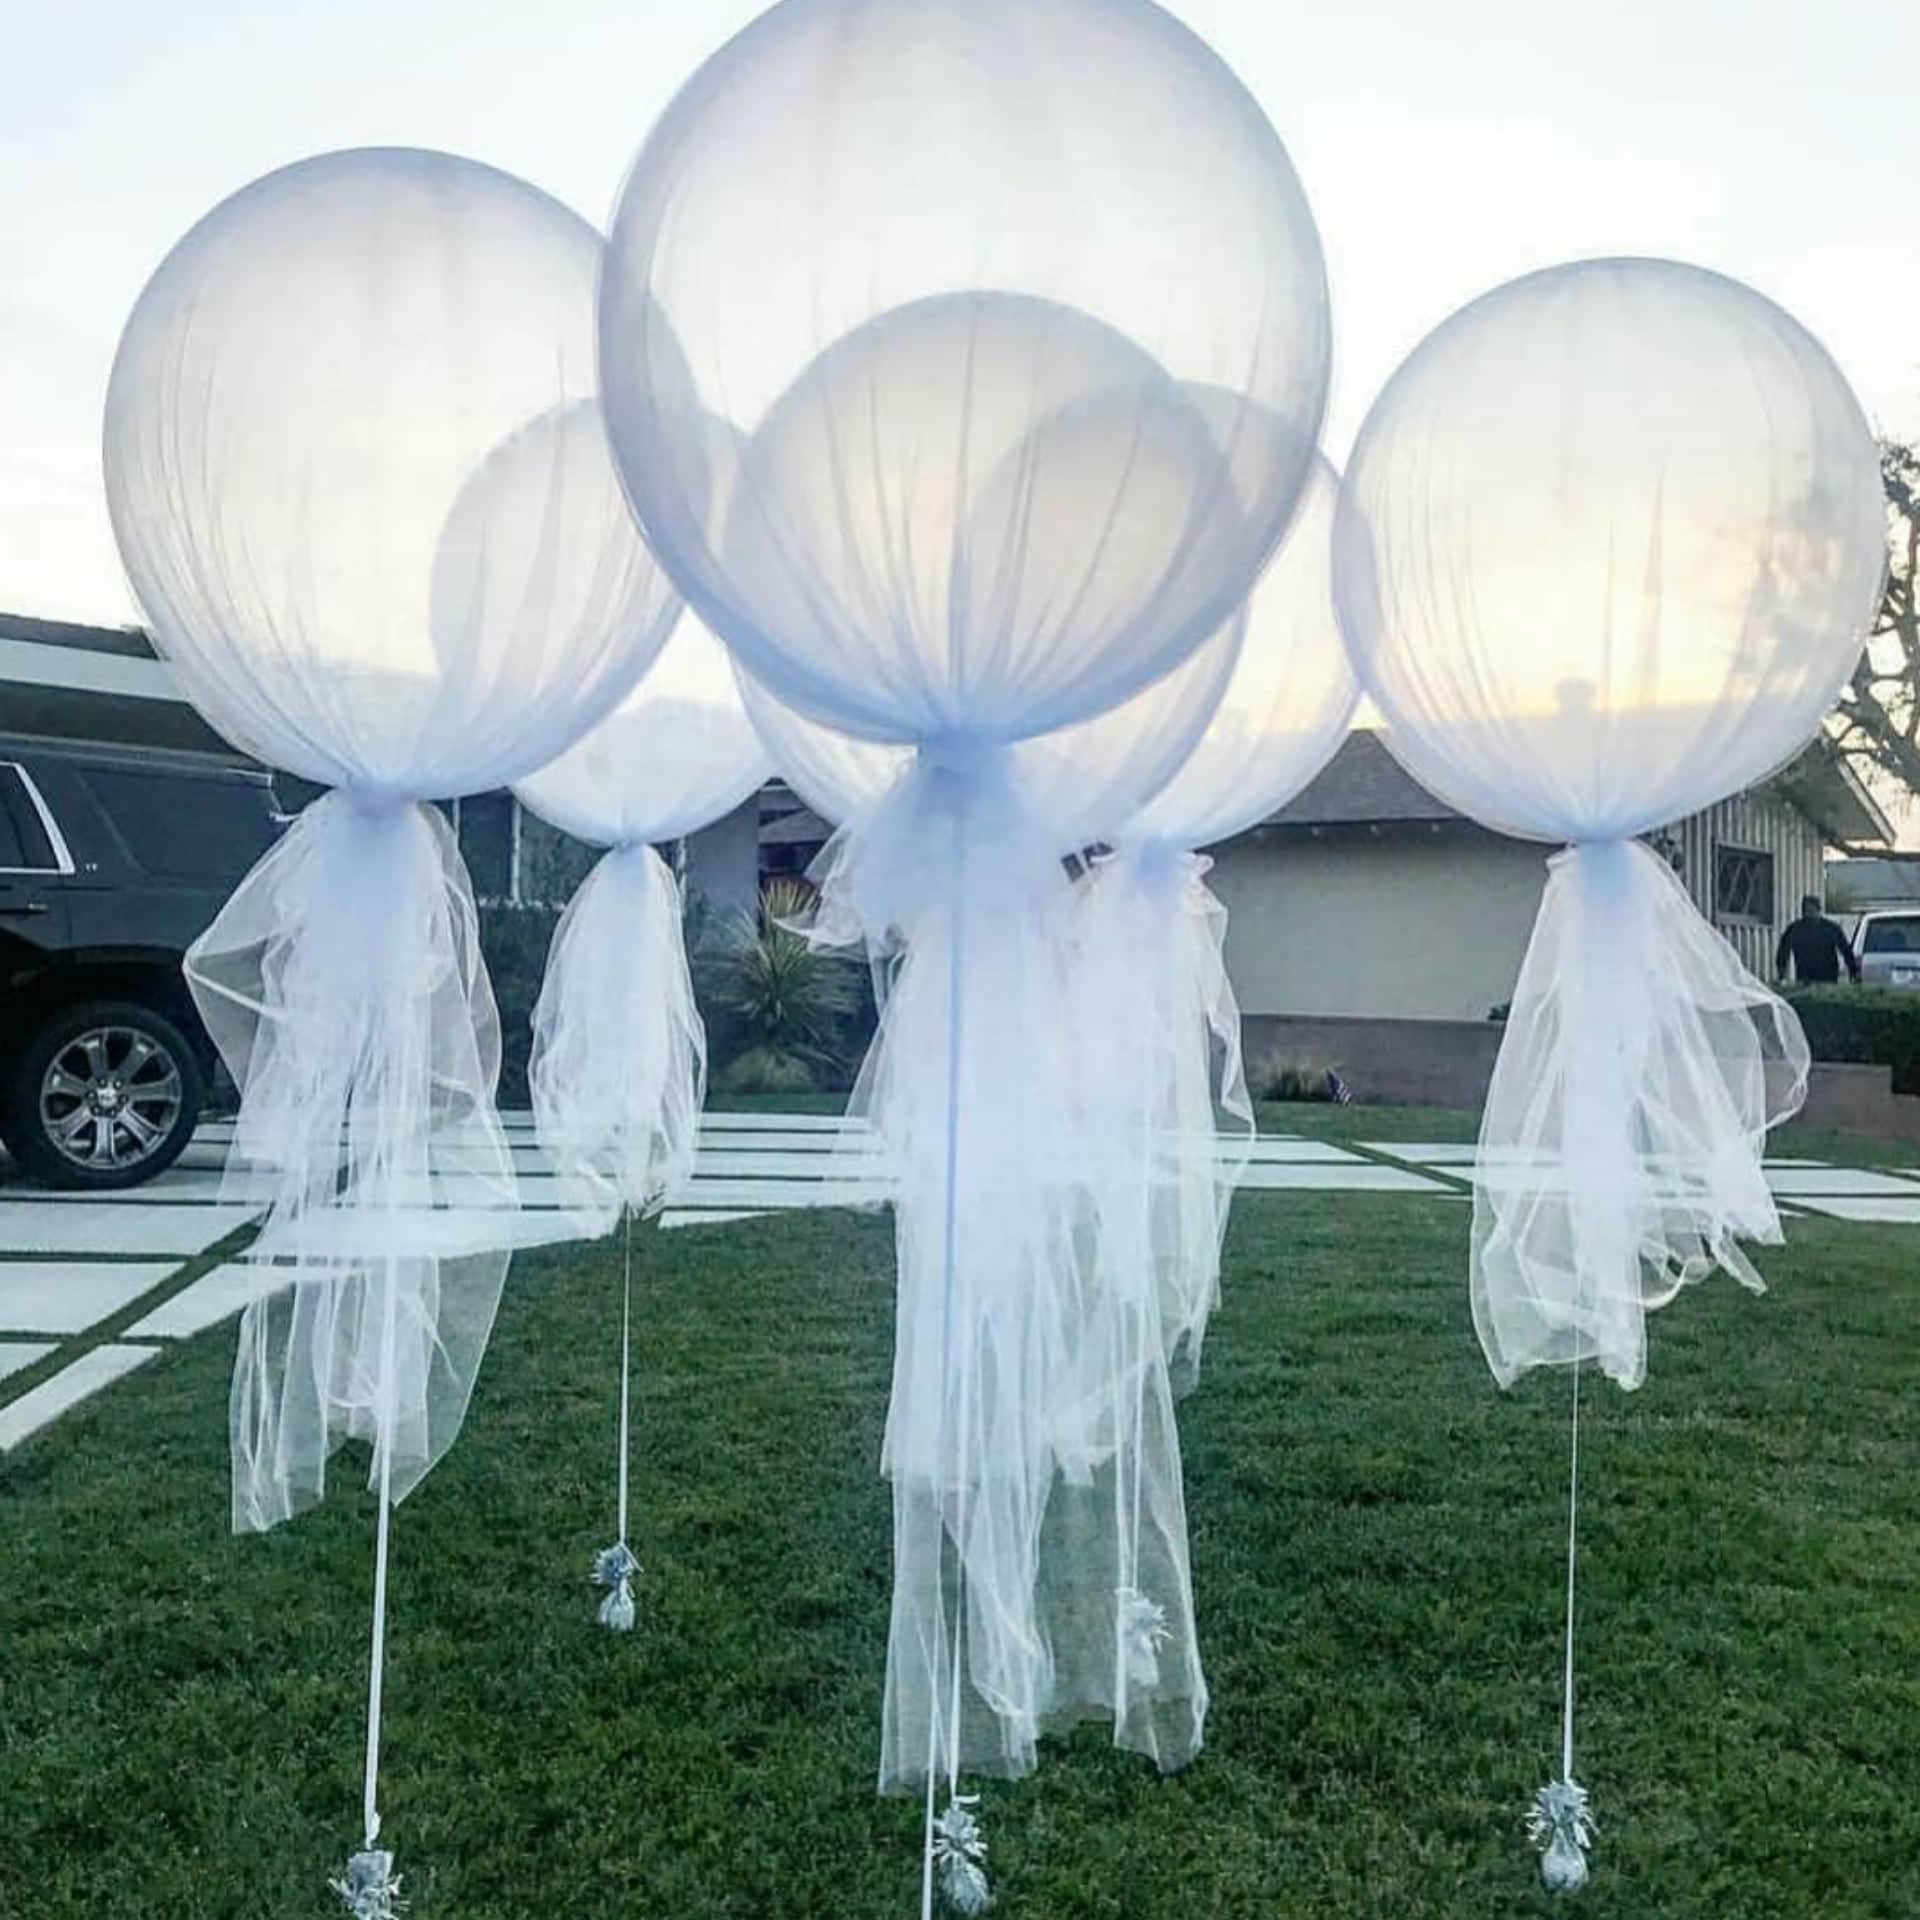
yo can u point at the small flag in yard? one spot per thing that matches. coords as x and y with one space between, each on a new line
1338 1091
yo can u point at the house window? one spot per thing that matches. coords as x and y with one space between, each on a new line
1743 884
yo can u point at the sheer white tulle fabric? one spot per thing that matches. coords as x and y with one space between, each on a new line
366 1045
964 518
359 481
1154 931
1076 1551
1065 1588
1607 549
618 1067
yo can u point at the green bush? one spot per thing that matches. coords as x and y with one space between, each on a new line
782 1015
768 1070
1311 1080
1872 1026
514 942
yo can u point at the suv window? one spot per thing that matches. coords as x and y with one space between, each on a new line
178 827
1893 933
25 846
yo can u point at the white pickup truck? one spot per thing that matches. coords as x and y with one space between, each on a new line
1888 944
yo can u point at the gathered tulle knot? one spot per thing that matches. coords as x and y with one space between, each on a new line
379 851
376 802
959 1855
1560 1825
891 865
613 1571
370 1889
1168 873
958 755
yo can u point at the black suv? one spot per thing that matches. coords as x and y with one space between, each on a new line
112 861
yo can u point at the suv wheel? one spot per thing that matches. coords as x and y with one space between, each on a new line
106 1094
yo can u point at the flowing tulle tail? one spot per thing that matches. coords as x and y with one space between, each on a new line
1155 987
1030 1440
1620 1153
619 1059
366 1046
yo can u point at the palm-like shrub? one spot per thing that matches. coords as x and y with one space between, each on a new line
784 1002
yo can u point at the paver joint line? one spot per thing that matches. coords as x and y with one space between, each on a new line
77 1259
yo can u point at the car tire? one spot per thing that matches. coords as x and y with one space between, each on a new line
106 1094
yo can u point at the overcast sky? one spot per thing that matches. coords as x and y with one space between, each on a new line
1446 145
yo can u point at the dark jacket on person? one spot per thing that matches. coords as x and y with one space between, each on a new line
1818 950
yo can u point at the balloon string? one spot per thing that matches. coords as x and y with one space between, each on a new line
954 1055
926 1848
956 1023
626 1366
1149 1166
1133 1380
1573 1508
383 1442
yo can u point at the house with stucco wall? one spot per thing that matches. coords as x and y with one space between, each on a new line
1366 897
1374 929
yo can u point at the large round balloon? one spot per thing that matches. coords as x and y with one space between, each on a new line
359 483
950 268
1288 704
1608 546
676 754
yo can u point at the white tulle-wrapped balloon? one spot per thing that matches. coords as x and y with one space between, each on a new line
362 492
808 220
1155 931
1287 706
1608 548
1609 543
951 267
618 1067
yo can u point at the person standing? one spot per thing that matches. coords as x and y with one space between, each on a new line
1816 946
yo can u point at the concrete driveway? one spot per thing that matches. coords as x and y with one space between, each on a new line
93 1286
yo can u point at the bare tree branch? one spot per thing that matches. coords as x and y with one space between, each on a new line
1877 722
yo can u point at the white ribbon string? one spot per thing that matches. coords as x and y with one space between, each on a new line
956 1027
383 1441
626 1369
1573 1509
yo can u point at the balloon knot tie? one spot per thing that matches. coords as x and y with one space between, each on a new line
1560 1825
959 1856
613 1570
370 1889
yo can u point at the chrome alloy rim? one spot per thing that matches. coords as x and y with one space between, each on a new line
110 1098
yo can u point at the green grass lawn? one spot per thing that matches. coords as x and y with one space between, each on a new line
1377 1547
